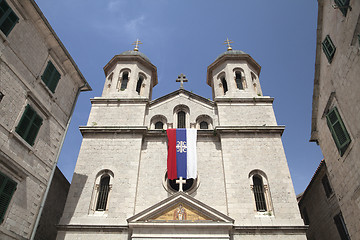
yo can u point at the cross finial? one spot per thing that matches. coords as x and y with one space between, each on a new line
136 43
227 41
181 181
181 78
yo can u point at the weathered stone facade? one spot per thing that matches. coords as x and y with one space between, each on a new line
24 55
318 207
337 85
242 139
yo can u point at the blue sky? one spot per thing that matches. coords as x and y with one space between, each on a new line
186 37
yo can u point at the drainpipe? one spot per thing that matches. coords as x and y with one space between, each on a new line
55 164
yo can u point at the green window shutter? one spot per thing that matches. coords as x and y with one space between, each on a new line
29 125
7 189
338 130
343 6
51 76
328 48
8 18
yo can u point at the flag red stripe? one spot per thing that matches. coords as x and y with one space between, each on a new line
171 160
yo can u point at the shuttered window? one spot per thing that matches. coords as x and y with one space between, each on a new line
7 189
328 48
341 227
51 76
103 193
8 18
343 5
29 125
338 130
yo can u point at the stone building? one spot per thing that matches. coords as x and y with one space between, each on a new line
39 85
336 108
243 188
319 208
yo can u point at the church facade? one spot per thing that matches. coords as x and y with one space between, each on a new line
243 188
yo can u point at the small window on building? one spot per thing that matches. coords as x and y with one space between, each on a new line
181 119
326 185
305 216
338 130
341 227
139 84
238 80
343 6
224 84
124 81
328 48
204 125
7 189
103 195
8 18
189 186
51 76
159 125
29 125
259 195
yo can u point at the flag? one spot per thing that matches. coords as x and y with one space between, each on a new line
182 158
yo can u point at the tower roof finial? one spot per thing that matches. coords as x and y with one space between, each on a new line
227 41
136 43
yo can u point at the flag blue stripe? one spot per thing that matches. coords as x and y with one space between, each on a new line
181 152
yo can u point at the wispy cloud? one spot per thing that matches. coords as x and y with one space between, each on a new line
134 26
114 5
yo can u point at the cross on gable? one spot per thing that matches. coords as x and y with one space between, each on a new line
181 78
181 181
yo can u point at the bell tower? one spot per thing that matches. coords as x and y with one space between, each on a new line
234 74
130 75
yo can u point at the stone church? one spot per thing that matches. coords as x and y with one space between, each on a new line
243 188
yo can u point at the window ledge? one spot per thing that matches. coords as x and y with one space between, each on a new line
4 38
22 141
265 214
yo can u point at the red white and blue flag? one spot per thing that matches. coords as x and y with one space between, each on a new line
182 158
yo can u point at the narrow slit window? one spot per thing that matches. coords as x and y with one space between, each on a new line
341 227
343 6
326 185
139 84
224 84
181 119
259 194
238 80
103 195
125 80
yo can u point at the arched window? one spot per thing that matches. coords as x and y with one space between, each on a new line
139 84
181 119
259 194
124 81
224 84
204 125
159 125
104 188
238 80
172 187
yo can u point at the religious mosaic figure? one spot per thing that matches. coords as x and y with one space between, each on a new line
180 213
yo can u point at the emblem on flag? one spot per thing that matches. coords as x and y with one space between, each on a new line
182 158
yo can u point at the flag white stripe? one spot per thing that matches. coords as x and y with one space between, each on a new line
191 135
